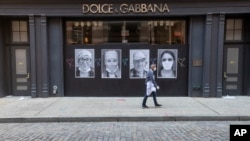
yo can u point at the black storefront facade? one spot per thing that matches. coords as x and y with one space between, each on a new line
42 45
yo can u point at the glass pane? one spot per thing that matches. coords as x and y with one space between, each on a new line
231 87
22 87
153 32
24 37
78 33
232 60
237 35
132 31
15 26
69 29
23 26
144 32
97 33
238 24
21 80
116 32
21 62
232 79
229 35
16 37
230 24
162 35
179 32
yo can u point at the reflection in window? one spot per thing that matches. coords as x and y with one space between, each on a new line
152 32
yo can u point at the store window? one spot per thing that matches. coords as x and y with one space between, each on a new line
151 32
234 30
19 31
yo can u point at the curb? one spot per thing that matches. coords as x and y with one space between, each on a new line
125 119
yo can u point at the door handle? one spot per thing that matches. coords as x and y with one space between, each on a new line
28 75
225 75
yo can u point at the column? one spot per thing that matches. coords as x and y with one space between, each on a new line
207 56
220 54
44 55
41 57
32 56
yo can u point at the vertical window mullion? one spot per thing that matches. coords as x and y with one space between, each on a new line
234 30
20 32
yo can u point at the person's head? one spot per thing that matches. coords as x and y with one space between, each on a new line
111 60
153 67
167 60
139 61
84 59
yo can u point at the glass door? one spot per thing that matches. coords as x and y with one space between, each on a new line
20 71
233 70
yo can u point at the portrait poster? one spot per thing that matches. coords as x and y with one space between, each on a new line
84 63
111 63
138 63
167 63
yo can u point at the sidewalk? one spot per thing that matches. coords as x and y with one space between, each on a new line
91 109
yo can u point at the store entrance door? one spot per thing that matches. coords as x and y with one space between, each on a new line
20 71
233 70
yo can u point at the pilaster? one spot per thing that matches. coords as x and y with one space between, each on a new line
220 54
207 56
32 56
44 55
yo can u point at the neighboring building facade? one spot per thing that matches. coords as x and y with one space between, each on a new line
96 48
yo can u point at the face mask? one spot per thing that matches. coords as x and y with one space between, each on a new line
154 69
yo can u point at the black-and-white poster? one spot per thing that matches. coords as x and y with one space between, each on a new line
84 63
111 63
139 63
167 63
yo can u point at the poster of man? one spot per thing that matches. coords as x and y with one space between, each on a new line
111 63
139 63
84 63
167 63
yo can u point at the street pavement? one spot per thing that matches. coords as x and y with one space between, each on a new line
113 109
118 131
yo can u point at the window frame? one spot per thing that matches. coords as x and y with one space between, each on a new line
233 30
19 32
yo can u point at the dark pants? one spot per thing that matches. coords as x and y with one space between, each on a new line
146 97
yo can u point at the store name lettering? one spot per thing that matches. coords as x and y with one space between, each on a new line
125 8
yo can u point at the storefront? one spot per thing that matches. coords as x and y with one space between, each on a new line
96 48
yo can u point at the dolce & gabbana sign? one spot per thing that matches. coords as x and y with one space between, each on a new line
125 8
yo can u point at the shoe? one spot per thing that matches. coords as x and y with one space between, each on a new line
144 106
158 105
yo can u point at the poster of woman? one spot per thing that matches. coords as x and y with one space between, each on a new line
84 63
167 63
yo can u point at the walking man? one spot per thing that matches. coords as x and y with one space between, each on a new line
151 87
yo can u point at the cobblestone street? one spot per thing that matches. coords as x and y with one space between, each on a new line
118 131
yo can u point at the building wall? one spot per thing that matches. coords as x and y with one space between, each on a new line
69 8
2 78
46 19
196 37
55 44
39 56
5 79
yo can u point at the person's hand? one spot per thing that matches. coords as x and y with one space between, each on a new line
158 87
